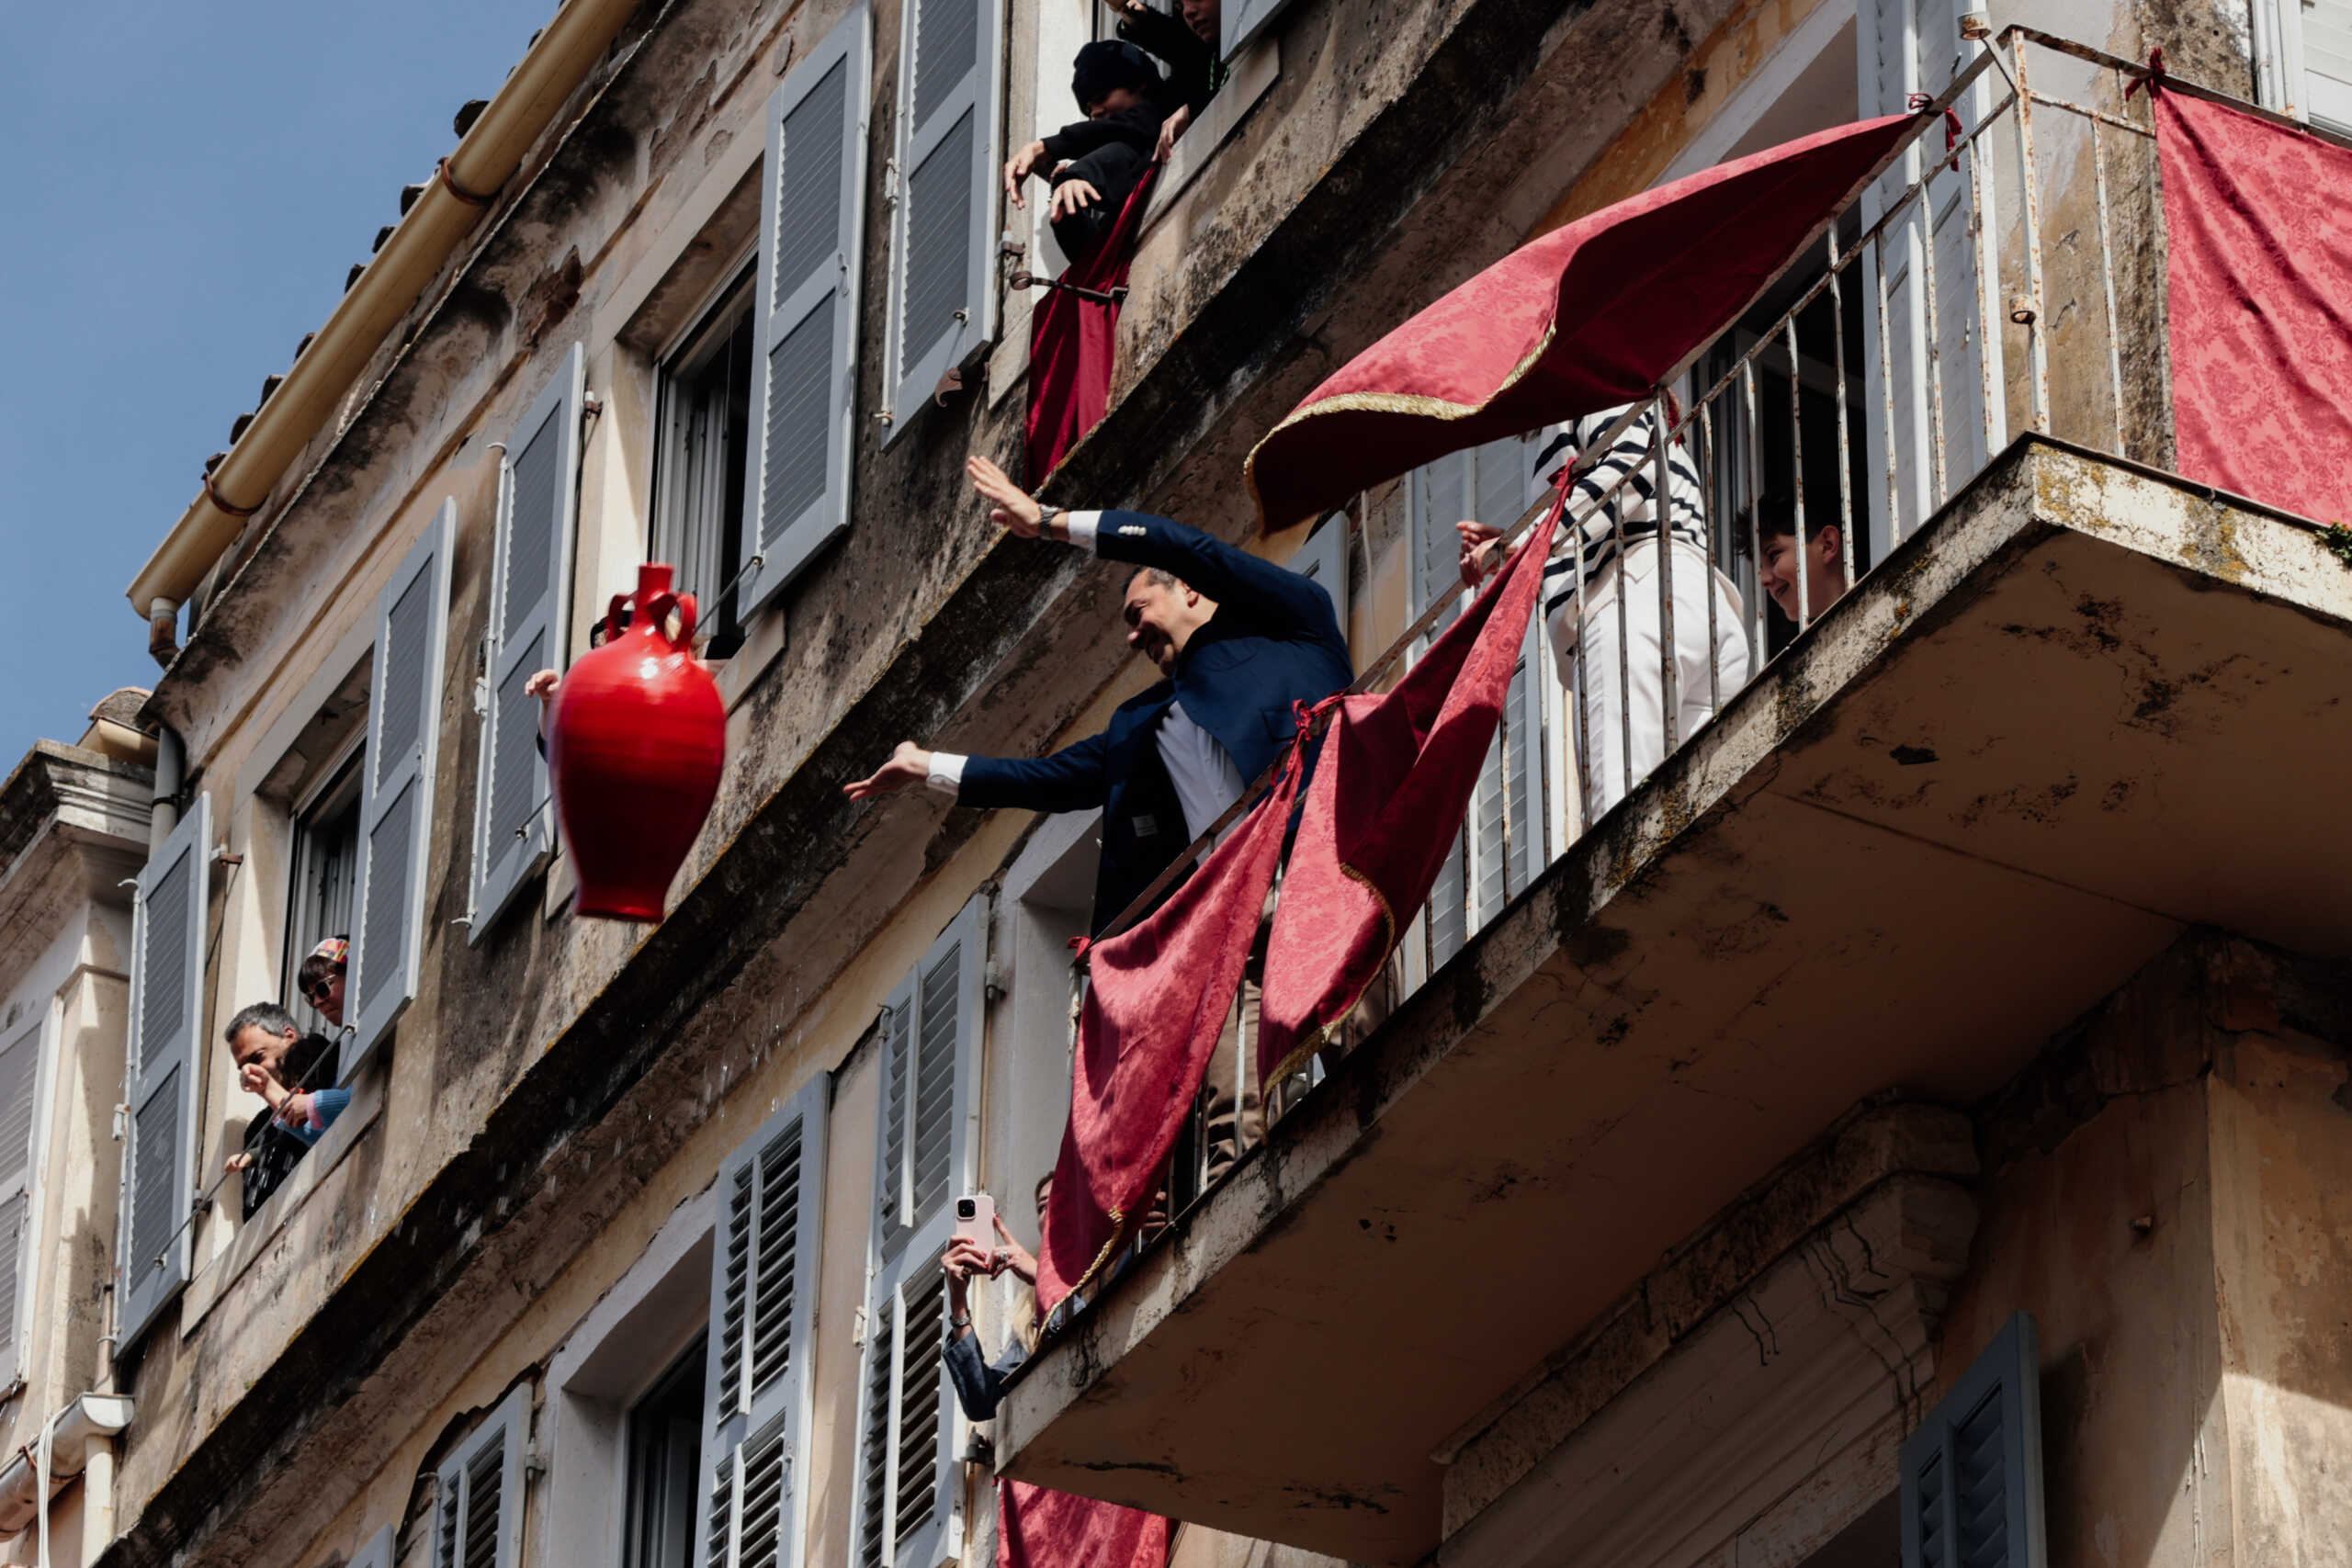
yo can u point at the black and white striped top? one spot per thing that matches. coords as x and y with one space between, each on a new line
1598 514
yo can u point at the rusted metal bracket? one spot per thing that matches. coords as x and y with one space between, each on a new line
1099 296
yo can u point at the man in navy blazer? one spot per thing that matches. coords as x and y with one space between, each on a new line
1239 641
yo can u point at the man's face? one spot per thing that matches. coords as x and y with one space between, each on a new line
257 1046
1160 618
1117 101
328 998
1202 16
1820 560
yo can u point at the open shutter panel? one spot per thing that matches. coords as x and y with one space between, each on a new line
1241 21
1323 559
942 262
538 493
20 1076
396 799
378 1552
166 1019
909 1509
477 1492
762 1309
1972 1471
930 1047
812 232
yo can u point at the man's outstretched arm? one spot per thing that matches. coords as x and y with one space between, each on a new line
1072 779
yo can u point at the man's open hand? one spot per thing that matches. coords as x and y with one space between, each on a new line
1071 196
906 768
1481 548
1169 130
1010 506
1017 167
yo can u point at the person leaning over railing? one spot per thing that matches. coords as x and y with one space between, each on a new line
276 1061
1191 42
1615 500
1239 642
1095 163
1823 559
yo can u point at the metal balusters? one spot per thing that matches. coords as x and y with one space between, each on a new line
2029 211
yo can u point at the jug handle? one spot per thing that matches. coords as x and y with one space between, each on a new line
658 616
612 615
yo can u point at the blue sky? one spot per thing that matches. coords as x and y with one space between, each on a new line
191 183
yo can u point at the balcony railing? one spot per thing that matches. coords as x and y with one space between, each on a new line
2006 275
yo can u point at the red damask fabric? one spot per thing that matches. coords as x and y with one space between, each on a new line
1392 785
2258 220
1073 342
1155 998
1038 1529
1585 318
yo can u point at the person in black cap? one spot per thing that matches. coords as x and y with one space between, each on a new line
1096 162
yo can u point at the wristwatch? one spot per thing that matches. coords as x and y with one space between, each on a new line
1046 516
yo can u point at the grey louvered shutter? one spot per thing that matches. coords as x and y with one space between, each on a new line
478 1491
396 795
167 1026
378 1552
1323 559
531 583
812 236
1240 22
930 1047
762 1313
943 217
19 1080
1972 1471
908 1506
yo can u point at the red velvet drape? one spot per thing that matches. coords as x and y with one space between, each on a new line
1073 342
1392 785
1155 998
2258 220
1039 1528
1584 318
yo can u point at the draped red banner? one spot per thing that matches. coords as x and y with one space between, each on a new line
2258 224
1039 1528
1157 996
1392 785
1073 342
1587 317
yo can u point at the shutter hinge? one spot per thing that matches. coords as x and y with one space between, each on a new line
997 985
857 1327
889 182
199 1205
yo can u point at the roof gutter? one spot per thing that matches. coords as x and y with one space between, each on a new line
75 1431
464 186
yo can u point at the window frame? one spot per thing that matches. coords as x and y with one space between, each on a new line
672 533
19 1278
336 791
507 1428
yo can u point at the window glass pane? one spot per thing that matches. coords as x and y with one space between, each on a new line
664 1459
699 466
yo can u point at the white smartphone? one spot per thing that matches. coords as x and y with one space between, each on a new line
975 1219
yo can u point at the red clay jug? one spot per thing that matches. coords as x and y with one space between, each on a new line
635 746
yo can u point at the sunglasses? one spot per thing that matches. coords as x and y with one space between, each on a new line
319 990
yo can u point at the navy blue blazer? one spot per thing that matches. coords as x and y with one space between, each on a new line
1274 640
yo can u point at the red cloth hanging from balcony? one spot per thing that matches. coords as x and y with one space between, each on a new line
1155 998
2258 220
1392 785
1582 318
1072 342
1039 1528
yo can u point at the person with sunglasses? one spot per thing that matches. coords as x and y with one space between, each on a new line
319 979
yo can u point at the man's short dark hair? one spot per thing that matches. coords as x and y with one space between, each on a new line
1776 517
1160 575
267 1017
315 968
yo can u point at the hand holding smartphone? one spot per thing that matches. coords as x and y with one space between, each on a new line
976 1219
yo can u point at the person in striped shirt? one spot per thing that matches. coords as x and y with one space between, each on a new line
1601 599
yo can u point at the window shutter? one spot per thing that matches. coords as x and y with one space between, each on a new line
943 228
167 1021
1972 1472
931 1046
909 1504
1242 21
378 1552
910 1507
19 1078
396 797
1323 558
763 1312
812 234
477 1492
531 577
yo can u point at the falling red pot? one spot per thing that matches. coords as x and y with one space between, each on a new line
636 745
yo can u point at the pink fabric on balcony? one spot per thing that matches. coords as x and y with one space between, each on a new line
1073 343
1582 318
1038 1529
1391 787
1156 998
2258 220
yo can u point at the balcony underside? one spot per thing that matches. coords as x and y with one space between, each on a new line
2084 709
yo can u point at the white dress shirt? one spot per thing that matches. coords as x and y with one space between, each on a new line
1203 772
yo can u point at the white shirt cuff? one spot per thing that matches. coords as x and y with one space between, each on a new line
1082 526
946 775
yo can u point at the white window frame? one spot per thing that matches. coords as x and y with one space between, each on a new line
23 1190
690 527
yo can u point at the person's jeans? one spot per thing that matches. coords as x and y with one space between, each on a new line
1611 731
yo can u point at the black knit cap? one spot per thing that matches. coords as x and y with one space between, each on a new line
1111 62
